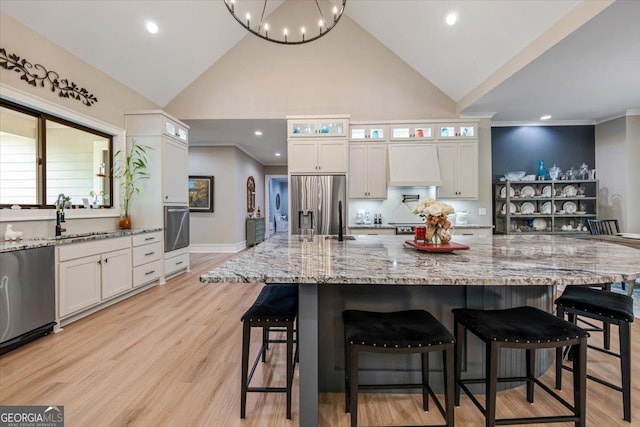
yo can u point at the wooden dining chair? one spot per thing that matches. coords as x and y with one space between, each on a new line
600 227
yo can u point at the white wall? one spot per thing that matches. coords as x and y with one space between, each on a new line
617 157
224 229
114 98
345 72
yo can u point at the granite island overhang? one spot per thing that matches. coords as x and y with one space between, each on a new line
380 273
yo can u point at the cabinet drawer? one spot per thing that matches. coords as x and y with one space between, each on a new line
79 250
147 253
146 238
147 273
176 263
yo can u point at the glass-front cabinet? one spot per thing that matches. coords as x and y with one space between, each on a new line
368 132
410 132
457 131
330 127
531 207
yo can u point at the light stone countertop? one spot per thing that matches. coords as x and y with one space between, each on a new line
385 260
66 239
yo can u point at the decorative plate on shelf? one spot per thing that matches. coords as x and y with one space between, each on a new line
546 191
569 208
569 191
527 208
548 208
539 224
503 192
512 208
527 191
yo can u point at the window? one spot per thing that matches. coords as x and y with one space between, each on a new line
42 156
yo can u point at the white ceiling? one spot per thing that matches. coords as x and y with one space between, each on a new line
588 76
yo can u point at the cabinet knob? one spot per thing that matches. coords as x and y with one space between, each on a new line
106 260
100 262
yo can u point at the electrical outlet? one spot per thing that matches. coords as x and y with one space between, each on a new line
482 211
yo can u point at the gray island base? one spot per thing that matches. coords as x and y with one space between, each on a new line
381 273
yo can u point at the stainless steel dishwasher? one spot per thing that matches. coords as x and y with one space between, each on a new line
27 296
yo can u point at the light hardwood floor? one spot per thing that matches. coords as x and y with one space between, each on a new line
171 357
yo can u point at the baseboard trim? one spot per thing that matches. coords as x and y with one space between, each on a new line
217 248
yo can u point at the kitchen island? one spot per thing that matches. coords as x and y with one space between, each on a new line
381 273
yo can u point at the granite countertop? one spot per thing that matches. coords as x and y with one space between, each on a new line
66 239
491 260
393 226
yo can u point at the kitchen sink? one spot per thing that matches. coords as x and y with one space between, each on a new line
335 237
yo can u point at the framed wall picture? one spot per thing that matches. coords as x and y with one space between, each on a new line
201 193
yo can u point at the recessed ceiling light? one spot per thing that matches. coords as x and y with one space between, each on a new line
152 27
258 133
451 19
277 154
547 117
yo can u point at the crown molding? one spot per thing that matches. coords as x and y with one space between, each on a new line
545 123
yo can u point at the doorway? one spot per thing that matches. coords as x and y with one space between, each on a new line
277 214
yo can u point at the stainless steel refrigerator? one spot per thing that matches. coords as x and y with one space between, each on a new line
314 203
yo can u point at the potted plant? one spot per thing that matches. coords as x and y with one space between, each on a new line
130 168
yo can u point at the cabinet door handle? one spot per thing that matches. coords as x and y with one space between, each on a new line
149 272
150 253
179 262
149 238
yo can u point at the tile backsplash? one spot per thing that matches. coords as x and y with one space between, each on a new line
394 210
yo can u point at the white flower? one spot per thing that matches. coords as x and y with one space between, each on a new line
432 207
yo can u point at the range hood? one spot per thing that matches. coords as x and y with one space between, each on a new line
413 165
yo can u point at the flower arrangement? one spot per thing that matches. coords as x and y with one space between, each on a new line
435 215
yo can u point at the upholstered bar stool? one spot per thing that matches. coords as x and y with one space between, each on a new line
526 328
401 332
612 309
275 307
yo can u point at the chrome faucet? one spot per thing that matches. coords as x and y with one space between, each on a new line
60 214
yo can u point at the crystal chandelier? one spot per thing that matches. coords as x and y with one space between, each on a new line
314 19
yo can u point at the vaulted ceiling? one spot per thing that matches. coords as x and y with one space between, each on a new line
515 60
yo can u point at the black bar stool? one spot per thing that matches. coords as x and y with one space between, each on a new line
612 309
413 331
526 328
275 307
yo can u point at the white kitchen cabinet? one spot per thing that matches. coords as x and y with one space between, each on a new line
368 133
147 258
79 281
176 261
411 132
368 171
175 129
318 156
448 131
458 170
175 173
305 127
91 272
116 273
168 165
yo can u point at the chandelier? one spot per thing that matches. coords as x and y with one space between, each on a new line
313 19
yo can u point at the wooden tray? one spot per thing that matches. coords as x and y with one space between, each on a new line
440 247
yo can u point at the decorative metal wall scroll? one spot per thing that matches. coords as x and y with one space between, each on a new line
33 75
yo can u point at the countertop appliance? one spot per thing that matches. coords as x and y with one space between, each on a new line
405 229
176 227
314 203
27 296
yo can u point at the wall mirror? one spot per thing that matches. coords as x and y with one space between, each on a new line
251 195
